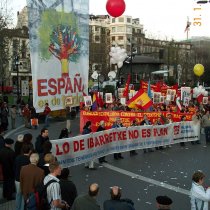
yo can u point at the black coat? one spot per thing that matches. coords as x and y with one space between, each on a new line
39 143
68 191
100 128
118 205
18 147
7 159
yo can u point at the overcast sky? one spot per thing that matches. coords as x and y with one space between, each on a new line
161 19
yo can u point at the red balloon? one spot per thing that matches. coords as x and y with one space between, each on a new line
115 7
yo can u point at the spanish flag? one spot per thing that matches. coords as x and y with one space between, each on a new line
94 105
140 101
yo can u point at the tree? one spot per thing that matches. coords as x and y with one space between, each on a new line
4 49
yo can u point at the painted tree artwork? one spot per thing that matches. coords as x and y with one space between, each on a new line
59 37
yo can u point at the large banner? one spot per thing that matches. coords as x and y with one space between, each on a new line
80 149
59 50
109 117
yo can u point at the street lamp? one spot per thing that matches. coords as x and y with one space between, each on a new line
17 63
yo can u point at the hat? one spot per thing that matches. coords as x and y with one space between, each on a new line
20 138
164 200
8 141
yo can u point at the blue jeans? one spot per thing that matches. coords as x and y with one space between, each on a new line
46 121
207 133
19 202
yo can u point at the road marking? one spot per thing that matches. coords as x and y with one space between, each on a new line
145 179
13 131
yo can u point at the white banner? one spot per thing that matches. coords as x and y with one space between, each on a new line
59 50
80 149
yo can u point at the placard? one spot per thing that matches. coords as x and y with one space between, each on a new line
88 100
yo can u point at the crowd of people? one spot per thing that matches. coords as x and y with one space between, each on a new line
28 164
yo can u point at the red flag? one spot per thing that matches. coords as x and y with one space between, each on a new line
99 100
200 98
126 90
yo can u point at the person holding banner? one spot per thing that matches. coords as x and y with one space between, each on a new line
196 118
101 128
183 118
146 121
133 152
86 130
117 124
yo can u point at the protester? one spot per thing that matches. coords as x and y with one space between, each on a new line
47 146
183 119
48 158
13 116
116 202
146 121
101 128
64 133
46 113
1 139
117 124
87 202
30 176
163 202
68 188
68 119
196 118
27 139
200 196
4 116
18 145
21 160
7 160
43 137
133 152
87 130
205 122
26 116
53 190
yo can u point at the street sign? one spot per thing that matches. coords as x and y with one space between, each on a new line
25 88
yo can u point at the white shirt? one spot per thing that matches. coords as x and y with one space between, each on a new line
198 196
53 190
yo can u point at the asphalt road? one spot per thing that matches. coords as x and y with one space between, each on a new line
141 177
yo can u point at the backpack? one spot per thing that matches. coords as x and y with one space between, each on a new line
37 200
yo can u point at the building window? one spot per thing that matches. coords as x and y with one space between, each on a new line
97 28
120 37
129 29
113 29
121 20
128 20
121 29
113 38
97 39
113 20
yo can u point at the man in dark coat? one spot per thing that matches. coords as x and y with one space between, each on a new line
116 202
163 202
87 202
7 159
101 128
68 188
43 137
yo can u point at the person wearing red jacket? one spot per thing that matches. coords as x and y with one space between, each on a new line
47 111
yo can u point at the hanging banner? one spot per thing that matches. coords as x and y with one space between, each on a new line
80 149
59 51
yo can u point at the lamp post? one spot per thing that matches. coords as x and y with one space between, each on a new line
17 63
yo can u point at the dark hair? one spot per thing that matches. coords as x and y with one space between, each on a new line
182 117
27 138
26 148
198 175
88 123
117 196
64 173
43 130
46 104
64 133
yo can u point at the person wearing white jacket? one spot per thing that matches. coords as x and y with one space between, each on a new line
199 195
